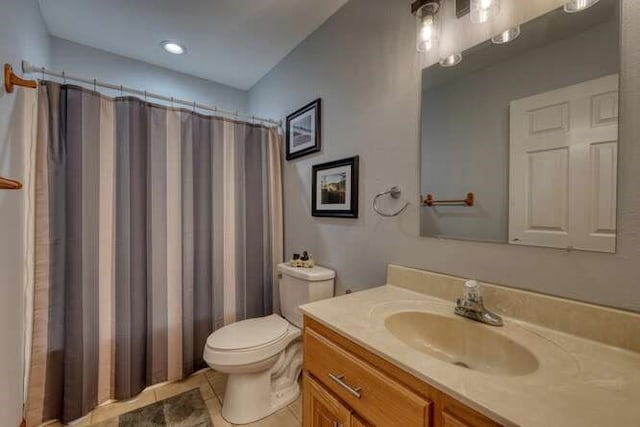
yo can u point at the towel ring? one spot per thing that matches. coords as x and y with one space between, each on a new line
395 193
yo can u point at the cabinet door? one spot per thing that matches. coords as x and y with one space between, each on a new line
450 420
455 414
321 409
356 421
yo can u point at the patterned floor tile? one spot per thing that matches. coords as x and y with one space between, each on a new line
282 418
296 408
217 380
215 412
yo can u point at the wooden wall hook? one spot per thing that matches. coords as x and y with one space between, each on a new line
11 80
9 184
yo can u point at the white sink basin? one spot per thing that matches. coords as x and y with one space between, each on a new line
462 342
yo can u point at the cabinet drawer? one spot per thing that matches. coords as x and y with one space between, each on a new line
372 394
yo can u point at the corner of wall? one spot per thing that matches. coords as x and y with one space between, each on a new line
23 35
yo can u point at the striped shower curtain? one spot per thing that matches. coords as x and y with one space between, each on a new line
153 227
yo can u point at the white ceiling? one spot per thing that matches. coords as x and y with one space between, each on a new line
234 42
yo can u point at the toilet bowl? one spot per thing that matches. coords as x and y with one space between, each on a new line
263 356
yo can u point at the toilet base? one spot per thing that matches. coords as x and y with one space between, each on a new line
252 396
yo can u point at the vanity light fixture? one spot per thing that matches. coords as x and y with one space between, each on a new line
173 47
574 6
451 60
506 36
428 20
482 10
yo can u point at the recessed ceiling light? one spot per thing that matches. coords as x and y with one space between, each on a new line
574 6
173 47
507 35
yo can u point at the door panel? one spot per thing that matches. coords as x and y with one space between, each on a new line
548 177
550 118
604 109
604 159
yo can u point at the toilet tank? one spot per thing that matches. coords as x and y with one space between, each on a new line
299 286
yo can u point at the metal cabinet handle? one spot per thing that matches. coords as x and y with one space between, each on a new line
337 424
340 380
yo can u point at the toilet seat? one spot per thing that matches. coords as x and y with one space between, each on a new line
249 333
249 342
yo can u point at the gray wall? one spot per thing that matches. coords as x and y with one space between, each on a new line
22 35
363 64
465 125
88 62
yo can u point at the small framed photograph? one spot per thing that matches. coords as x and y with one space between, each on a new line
335 189
304 130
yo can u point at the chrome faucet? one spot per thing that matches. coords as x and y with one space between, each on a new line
472 307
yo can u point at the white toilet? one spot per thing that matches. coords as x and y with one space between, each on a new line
263 356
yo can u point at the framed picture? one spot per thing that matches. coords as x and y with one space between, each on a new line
303 130
335 189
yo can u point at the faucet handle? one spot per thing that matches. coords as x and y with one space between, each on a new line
472 290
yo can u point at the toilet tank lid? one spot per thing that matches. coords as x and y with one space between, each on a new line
314 274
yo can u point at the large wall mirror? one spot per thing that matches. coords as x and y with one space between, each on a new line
519 140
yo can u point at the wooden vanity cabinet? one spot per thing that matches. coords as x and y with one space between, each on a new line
345 385
320 408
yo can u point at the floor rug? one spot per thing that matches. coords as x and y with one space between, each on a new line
183 410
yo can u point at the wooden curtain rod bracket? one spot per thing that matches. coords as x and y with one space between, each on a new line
9 184
430 201
11 80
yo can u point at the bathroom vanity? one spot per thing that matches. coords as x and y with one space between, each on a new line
392 396
397 355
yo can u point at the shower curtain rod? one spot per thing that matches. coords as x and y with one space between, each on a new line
32 69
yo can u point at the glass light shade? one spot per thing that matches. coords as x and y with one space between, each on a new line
578 5
428 31
483 10
507 35
451 60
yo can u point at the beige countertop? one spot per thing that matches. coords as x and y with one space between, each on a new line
579 382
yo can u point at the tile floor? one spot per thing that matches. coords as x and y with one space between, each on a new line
211 385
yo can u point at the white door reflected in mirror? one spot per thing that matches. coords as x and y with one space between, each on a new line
563 167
